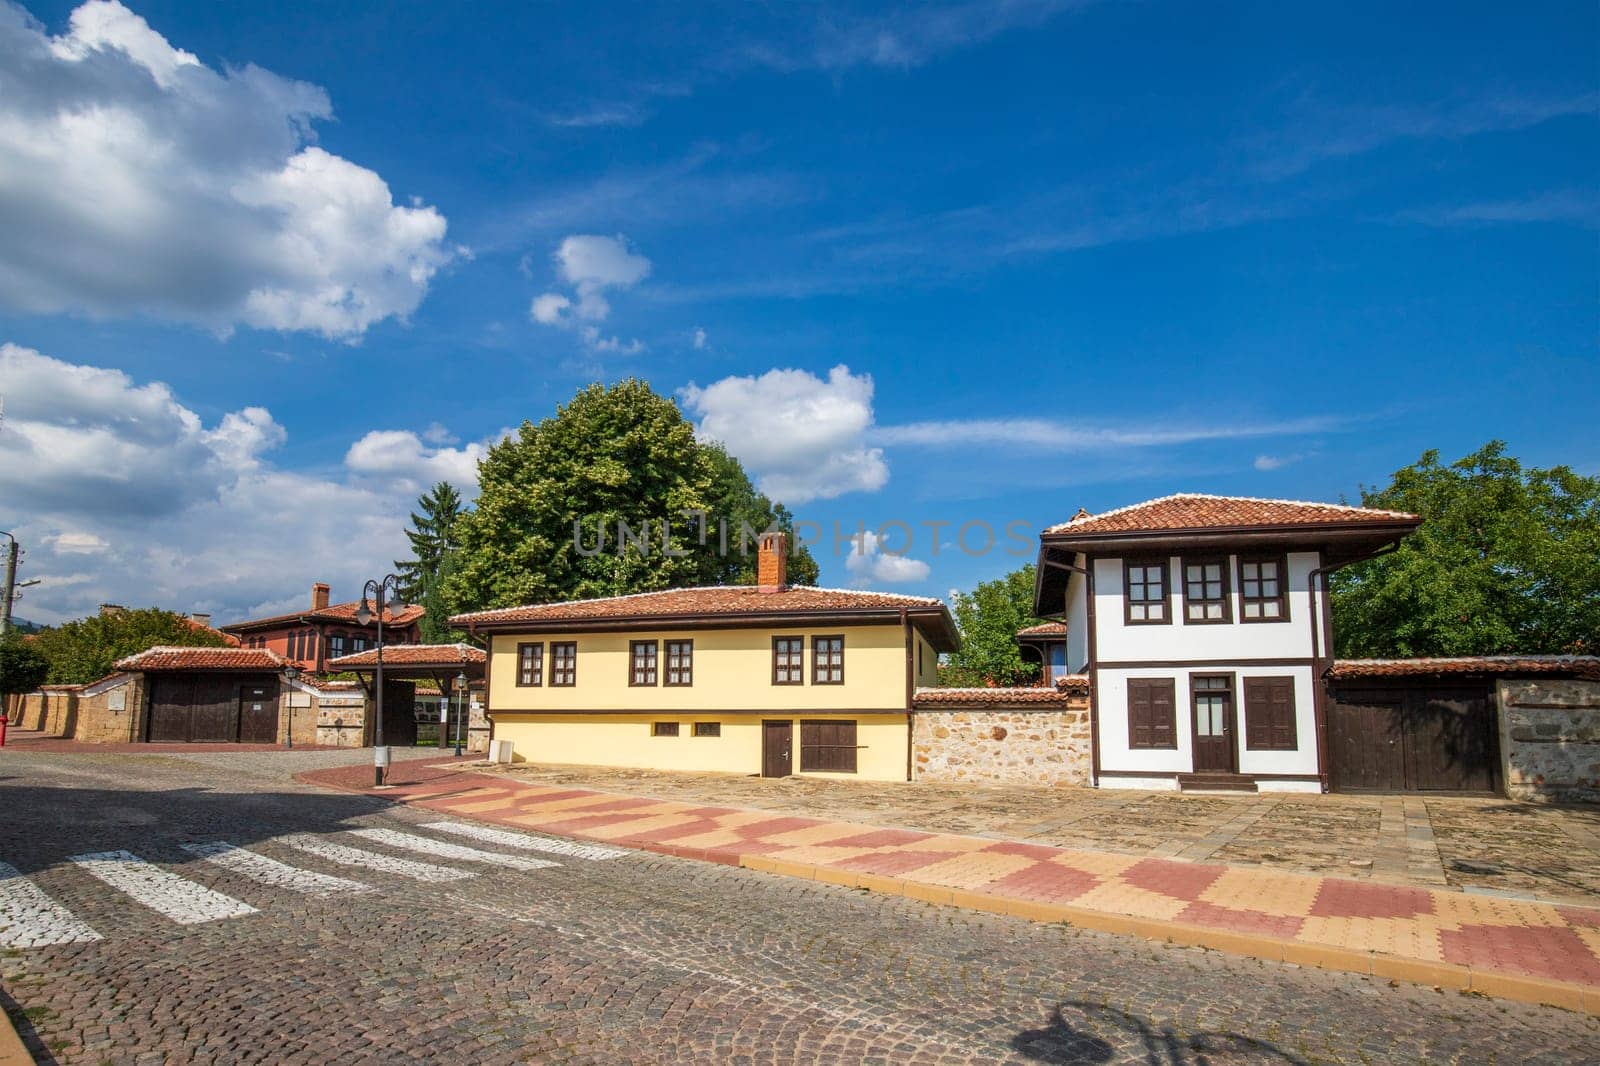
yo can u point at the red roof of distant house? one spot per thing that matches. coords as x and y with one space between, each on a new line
1196 511
717 601
413 655
1581 666
335 612
166 657
200 627
1044 629
988 697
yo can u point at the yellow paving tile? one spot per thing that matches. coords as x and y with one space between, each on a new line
1252 890
576 803
618 830
972 870
816 834
1454 910
1099 864
1411 938
819 854
937 843
1120 898
483 806
716 838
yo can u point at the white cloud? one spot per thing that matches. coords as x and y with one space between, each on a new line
591 265
121 493
134 179
870 562
1063 436
699 339
804 438
1276 462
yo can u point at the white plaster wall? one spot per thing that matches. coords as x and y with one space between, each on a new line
1116 756
1077 622
1117 642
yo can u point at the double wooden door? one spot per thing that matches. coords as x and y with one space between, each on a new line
1394 737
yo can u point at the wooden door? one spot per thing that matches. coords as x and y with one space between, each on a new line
171 707
1366 740
258 712
215 718
1450 740
1212 716
777 747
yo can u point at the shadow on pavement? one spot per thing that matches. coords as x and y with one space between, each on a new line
1084 1033
24 1026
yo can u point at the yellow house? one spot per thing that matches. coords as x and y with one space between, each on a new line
768 678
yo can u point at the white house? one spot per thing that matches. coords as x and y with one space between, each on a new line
1203 624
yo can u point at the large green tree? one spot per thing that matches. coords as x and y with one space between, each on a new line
87 649
989 617
1506 560
432 536
618 453
23 666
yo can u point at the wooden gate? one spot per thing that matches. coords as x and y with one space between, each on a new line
1413 735
211 708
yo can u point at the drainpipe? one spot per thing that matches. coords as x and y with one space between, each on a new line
1089 647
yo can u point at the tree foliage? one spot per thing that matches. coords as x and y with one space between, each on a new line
432 536
23 666
989 617
88 649
1507 560
617 453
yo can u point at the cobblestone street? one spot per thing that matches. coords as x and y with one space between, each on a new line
306 926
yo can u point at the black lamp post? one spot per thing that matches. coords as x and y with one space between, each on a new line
461 709
386 594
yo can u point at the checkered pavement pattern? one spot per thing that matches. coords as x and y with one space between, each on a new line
1509 936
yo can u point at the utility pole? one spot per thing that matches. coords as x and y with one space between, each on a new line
10 590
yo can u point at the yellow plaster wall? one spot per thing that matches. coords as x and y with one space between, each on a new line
626 740
732 672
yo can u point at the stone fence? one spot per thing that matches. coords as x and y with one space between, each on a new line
1550 739
1002 736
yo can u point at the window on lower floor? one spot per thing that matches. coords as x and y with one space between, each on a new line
664 729
708 729
1152 713
828 746
1269 714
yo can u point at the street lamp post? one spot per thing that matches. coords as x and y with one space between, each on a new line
386 594
462 704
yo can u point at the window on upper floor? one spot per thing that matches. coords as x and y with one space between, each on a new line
680 663
827 660
1146 601
1263 589
336 645
1205 591
642 663
530 665
788 654
563 663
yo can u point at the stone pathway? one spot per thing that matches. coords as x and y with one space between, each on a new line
1519 949
1476 844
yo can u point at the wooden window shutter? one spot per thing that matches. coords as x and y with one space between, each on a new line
1269 721
1152 719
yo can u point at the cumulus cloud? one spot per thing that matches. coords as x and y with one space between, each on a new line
135 179
123 494
869 562
803 437
591 265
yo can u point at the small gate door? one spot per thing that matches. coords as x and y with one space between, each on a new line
777 745
258 713
1213 724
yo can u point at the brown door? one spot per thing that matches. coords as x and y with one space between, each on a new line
1413 736
171 707
777 746
216 709
1212 705
258 712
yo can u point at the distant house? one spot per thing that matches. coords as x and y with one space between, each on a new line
770 678
307 639
1203 625
1046 644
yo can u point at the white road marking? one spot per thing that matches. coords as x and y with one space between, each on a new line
524 842
162 891
446 850
372 860
270 871
31 919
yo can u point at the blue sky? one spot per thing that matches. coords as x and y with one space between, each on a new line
1071 255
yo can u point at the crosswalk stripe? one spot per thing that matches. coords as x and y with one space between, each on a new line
446 850
372 860
31 919
178 898
526 843
268 871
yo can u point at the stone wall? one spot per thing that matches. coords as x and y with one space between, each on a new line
108 712
990 741
1550 740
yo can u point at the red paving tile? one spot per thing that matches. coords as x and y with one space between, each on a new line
880 838
1046 881
1209 914
1351 899
1542 952
1178 880
890 863
1032 851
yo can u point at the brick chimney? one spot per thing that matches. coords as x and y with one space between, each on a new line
319 597
200 618
772 562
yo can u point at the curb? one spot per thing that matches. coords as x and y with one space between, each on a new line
1443 975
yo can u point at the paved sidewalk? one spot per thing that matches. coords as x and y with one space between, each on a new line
1518 949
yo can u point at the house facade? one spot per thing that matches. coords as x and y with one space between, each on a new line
308 639
768 679
1203 625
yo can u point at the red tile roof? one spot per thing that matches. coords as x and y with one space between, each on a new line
712 602
988 697
1195 511
335 612
1044 629
1581 666
412 655
165 657
200 627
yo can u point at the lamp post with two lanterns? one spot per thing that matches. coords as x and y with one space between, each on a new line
386 594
